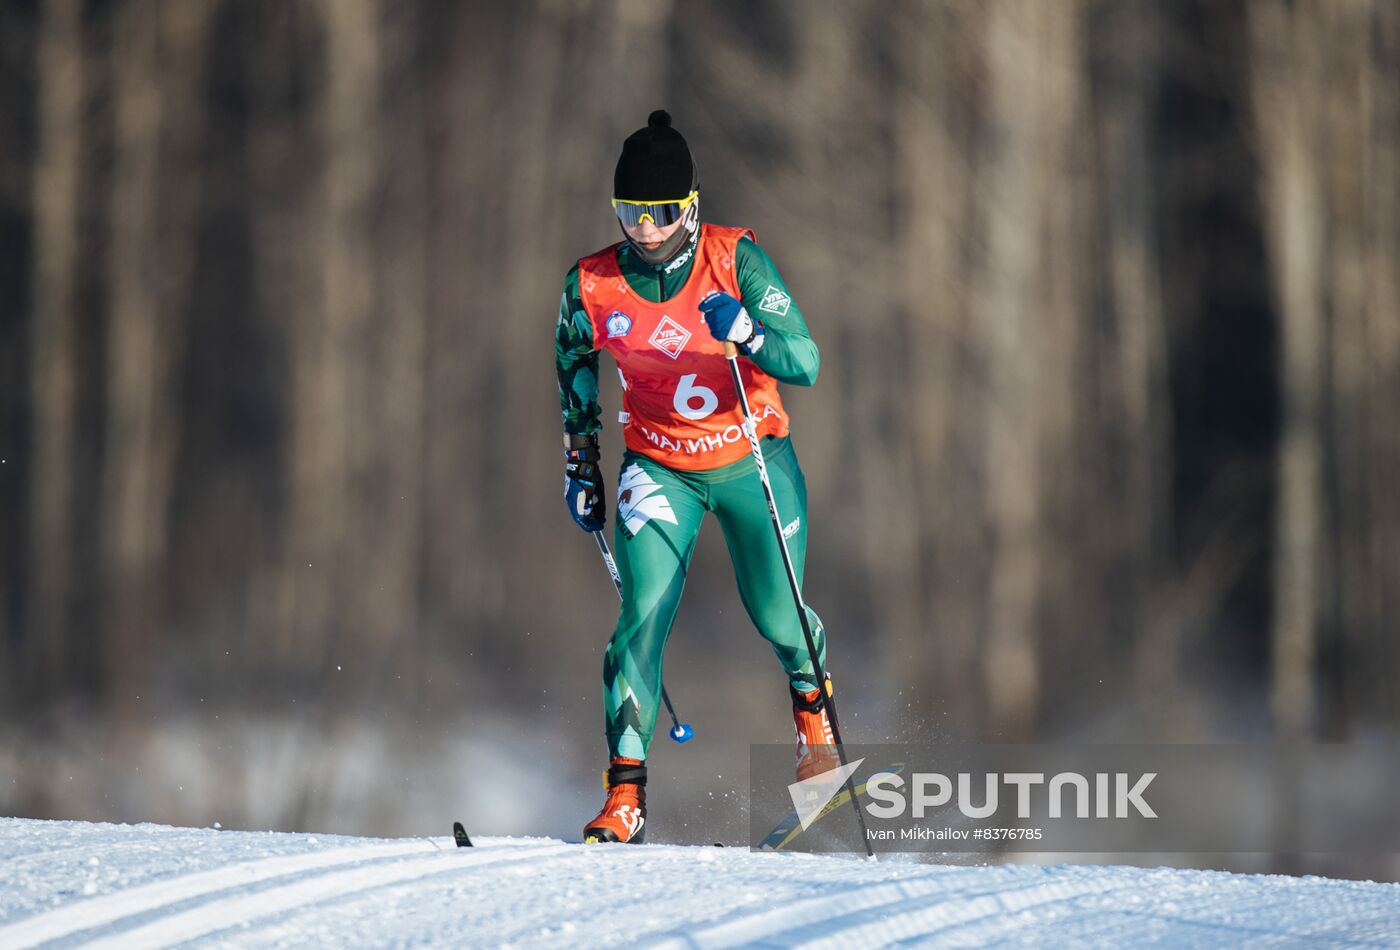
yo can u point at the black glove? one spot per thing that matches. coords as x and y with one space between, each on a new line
583 483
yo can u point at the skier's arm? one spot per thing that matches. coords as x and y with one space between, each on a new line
788 352
576 362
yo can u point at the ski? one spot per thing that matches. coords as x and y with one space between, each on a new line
787 830
459 835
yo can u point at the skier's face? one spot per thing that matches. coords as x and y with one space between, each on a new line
648 235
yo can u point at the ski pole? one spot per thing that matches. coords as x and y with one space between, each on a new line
731 353
680 731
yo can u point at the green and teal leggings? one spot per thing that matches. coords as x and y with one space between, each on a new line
659 511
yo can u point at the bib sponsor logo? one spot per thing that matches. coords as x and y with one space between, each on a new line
619 324
706 443
775 301
669 337
639 500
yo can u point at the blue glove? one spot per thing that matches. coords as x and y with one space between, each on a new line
583 483
729 322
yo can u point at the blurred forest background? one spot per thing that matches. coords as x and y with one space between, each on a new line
1105 446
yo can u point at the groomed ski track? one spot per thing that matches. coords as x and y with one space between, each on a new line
71 884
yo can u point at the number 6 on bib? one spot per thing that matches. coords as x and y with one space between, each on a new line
688 392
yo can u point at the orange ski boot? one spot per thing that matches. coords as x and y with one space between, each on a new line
624 815
816 748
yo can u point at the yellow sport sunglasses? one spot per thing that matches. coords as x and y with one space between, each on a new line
661 213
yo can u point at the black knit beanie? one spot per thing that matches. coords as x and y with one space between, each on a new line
655 164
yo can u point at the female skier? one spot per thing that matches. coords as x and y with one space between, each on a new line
663 302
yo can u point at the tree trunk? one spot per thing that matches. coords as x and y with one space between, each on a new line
1287 79
54 367
939 574
330 450
1374 597
154 205
1026 298
1134 463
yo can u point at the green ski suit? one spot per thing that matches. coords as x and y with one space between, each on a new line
654 560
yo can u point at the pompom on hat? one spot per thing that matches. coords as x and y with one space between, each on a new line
655 164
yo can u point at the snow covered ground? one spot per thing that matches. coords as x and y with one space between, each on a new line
68 884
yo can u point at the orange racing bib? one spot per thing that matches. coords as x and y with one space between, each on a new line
678 398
